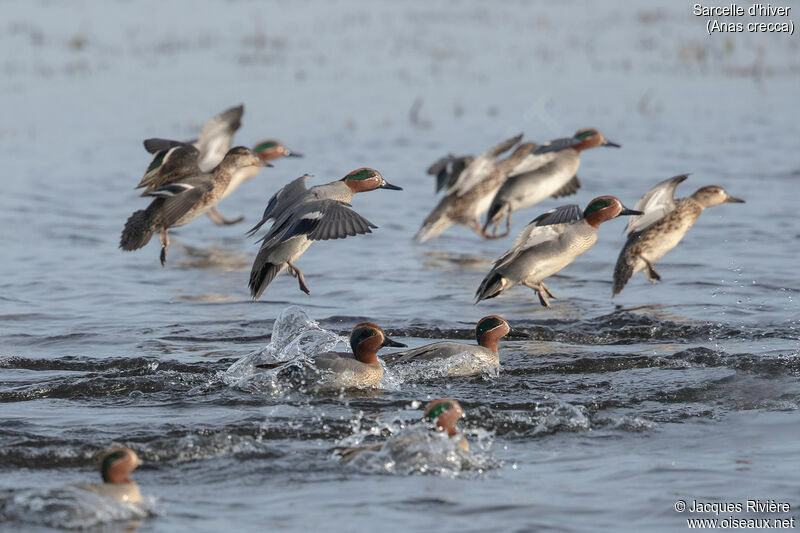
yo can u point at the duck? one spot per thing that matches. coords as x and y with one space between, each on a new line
215 140
547 244
470 195
551 170
303 216
182 201
442 413
661 227
488 332
116 465
361 369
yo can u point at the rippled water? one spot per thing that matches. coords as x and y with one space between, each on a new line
604 413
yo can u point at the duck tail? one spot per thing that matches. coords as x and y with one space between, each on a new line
492 285
433 226
261 276
624 268
138 229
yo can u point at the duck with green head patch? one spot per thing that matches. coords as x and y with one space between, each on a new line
550 171
472 359
548 244
116 465
443 415
359 369
662 226
303 216
209 149
183 200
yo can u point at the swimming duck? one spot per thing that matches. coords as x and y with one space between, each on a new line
182 201
488 332
359 369
662 226
549 171
303 216
472 193
549 243
443 413
214 142
116 465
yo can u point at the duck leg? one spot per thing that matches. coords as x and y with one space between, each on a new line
650 272
540 292
300 278
218 219
163 236
547 290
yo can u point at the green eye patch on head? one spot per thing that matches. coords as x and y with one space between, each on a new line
487 324
584 134
363 174
268 145
437 410
359 336
109 460
597 205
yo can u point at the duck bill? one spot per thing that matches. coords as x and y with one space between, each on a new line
626 211
387 185
612 144
263 164
393 343
732 200
293 154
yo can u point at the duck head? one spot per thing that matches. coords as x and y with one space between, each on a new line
367 179
271 149
444 412
605 208
241 157
117 464
366 339
712 195
590 137
490 330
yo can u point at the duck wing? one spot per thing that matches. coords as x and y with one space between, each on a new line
481 167
167 166
216 137
283 199
180 197
656 204
546 227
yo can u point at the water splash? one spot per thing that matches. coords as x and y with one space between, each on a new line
296 338
72 508
418 449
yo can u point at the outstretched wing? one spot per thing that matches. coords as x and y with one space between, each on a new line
284 198
170 165
481 167
156 145
217 136
656 204
319 220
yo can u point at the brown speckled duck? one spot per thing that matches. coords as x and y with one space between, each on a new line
662 226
